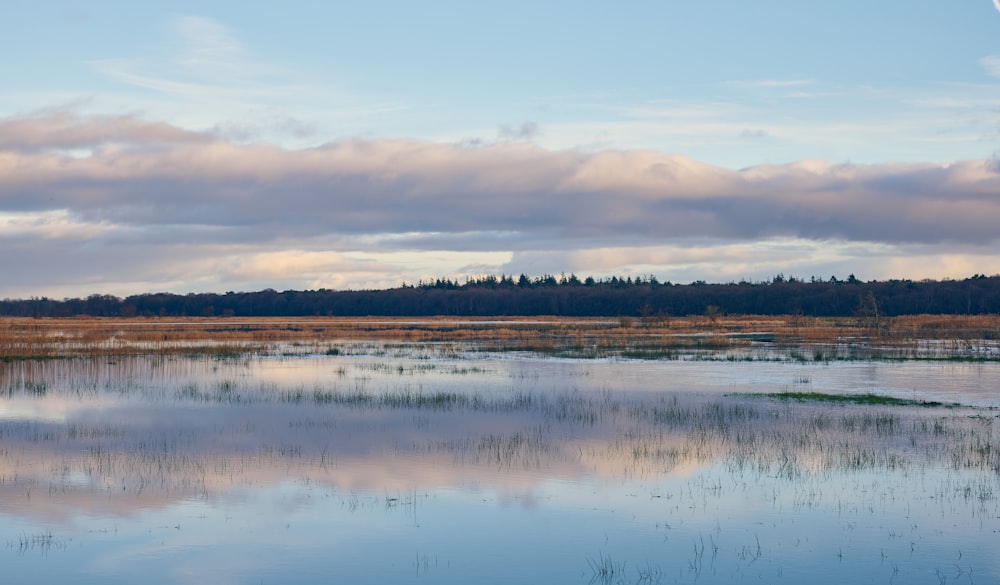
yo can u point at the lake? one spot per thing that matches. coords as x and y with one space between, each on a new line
371 461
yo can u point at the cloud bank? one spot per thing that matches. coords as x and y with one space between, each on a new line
120 204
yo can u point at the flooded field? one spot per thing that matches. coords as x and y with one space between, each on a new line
548 452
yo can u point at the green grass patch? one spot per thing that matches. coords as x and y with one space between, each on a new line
871 399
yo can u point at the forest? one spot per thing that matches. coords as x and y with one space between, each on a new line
564 295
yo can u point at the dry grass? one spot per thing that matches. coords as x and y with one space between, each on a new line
53 338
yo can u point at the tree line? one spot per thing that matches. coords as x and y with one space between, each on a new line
565 295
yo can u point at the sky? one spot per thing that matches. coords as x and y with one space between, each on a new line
218 146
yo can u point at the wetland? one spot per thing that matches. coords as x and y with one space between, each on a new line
694 450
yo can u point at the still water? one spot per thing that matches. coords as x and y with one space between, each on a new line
407 464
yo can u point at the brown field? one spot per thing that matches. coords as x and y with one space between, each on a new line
54 338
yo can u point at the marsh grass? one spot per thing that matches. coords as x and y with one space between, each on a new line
793 338
867 399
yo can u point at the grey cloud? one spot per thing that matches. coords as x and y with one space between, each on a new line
526 131
404 186
279 125
993 163
294 127
44 264
236 132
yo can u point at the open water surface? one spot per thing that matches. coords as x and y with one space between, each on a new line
406 464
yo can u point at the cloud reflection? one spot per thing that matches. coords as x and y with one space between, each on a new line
89 437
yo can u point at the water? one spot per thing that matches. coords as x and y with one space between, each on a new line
411 464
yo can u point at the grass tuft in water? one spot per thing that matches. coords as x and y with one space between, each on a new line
868 399
606 571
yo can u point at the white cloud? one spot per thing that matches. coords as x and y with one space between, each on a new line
57 129
991 64
204 76
210 47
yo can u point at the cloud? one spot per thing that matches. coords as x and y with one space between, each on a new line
164 175
991 64
993 163
157 202
60 128
209 60
277 124
210 46
202 75
729 261
526 131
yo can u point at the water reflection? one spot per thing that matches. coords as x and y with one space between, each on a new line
409 468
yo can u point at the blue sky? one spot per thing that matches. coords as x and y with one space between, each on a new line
235 146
